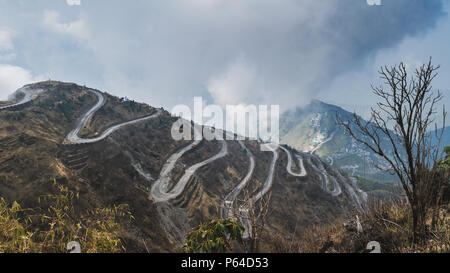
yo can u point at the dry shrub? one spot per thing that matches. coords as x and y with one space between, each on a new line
389 223
48 228
13 235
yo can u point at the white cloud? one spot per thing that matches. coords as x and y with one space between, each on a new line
166 52
6 43
13 78
76 28
234 85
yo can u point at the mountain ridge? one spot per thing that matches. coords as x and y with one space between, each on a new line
314 128
122 167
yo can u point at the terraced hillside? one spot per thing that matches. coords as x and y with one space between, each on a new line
115 151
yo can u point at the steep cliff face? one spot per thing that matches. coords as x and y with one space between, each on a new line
123 153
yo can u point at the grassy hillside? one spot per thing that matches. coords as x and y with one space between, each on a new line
104 174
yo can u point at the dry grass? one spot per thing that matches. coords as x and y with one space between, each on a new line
56 222
388 223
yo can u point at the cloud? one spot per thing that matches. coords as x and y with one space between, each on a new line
251 52
6 43
248 52
235 85
76 28
13 78
352 89
297 49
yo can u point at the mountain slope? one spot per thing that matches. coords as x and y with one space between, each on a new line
121 166
445 141
314 128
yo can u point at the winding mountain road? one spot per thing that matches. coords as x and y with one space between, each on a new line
337 189
331 160
73 138
227 211
323 142
269 180
28 95
363 194
289 164
159 189
351 190
244 210
325 178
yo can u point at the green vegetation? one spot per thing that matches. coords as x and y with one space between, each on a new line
445 169
60 102
56 222
13 235
214 237
67 108
446 161
378 189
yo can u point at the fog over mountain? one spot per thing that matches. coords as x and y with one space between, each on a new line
229 52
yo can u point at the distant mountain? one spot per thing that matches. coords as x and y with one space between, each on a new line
445 141
314 128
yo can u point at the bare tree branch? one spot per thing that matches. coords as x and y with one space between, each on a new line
398 131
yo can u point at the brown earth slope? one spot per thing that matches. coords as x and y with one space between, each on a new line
105 173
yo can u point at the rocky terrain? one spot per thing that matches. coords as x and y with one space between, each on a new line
115 151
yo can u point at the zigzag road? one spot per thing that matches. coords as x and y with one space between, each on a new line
289 164
160 192
244 210
325 178
231 197
323 142
73 138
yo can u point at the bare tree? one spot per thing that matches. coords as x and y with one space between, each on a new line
253 216
401 119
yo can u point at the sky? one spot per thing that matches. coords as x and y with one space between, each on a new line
164 53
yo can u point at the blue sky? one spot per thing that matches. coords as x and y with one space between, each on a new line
164 53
